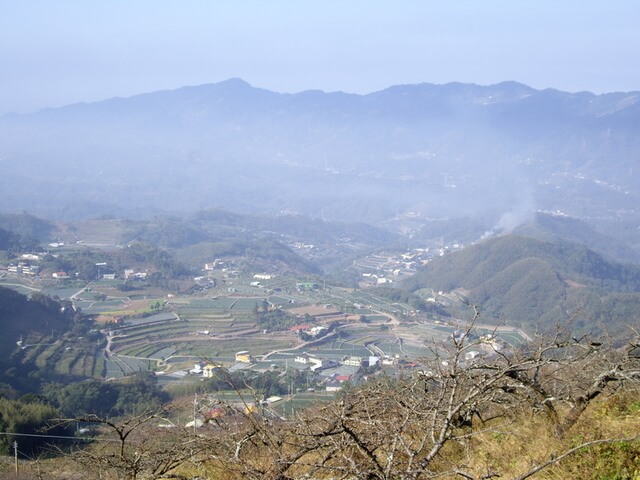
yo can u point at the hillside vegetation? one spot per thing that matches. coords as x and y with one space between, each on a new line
536 284
607 240
261 241
14 242
22 232
26 225
28 321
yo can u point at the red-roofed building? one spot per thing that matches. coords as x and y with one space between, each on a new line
299 328
408 364
215 413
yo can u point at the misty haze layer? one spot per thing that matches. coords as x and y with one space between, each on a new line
432 151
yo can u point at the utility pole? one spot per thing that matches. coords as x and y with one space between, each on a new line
291 397
15 453
195 406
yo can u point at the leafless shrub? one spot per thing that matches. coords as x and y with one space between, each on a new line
424 425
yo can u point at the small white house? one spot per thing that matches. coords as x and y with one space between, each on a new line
197 369
262 276
333 386
352 361
307 359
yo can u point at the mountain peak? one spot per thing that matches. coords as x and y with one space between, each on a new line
235 82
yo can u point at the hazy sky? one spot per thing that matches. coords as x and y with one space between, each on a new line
58 52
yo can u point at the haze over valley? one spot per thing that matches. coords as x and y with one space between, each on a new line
496 152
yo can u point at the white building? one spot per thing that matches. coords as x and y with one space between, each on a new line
352 361
262 276
307 359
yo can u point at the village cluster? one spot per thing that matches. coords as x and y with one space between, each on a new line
389 267
331 374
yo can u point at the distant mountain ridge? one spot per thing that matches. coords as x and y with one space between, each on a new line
426 150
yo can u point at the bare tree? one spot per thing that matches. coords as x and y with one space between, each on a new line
144 446
421 426
426 424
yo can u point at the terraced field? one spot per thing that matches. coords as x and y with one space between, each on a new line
199 329
118 367
214 328
77 358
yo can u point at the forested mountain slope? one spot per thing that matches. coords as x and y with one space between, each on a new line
536 284
27 322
